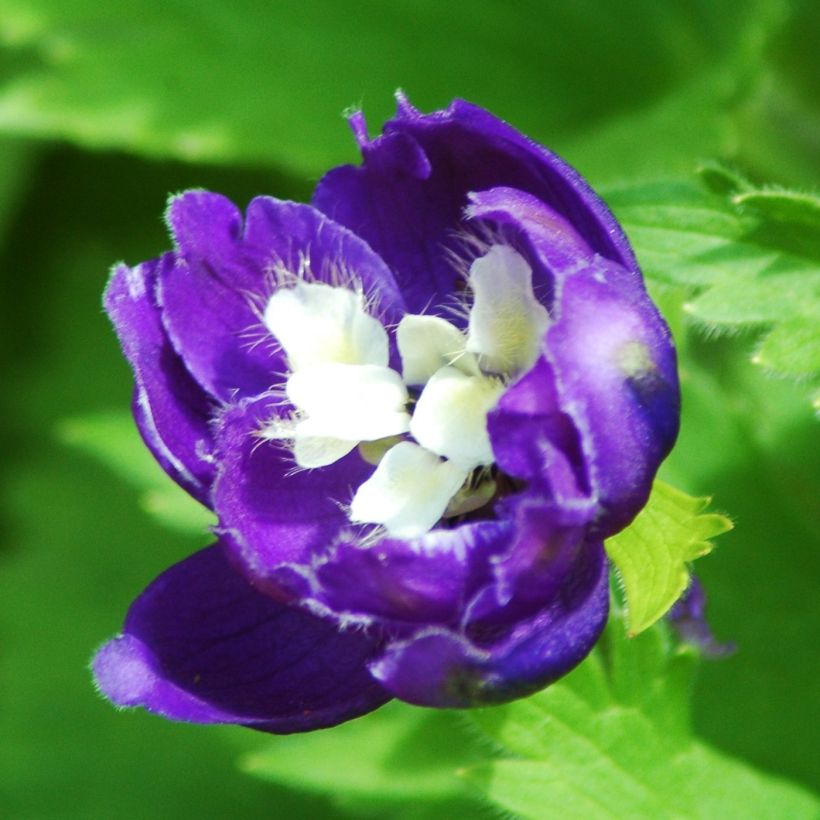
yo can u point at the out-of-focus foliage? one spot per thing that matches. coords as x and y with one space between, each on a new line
254 82
113 439
404 756
645 92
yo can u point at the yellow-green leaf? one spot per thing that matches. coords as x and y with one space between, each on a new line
652 554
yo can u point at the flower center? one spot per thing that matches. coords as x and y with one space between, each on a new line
426 427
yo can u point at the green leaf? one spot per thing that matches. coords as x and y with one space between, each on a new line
652 554
254 82
113 440
792 348
402 754
608 741
750 259
782 205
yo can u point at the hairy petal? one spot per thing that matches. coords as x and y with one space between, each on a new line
213 305
200 644
428 579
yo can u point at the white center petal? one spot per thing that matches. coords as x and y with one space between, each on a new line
347 401
506 320
409 491
319 451
428 343
451 416
316 323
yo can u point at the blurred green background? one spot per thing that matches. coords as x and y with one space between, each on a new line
105 110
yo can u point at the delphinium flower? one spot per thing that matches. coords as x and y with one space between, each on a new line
416 405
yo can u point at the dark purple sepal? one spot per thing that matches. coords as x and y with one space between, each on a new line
272 513
407 197
616 372
201 645
445 668
170 408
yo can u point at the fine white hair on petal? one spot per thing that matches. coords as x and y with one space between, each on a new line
408 492
507 322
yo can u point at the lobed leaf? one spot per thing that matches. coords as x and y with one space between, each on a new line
565 754
652 554
750 258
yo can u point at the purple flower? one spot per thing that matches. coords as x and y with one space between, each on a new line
417 406
688 619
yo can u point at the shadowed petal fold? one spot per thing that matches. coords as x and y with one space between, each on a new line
446 668
200 644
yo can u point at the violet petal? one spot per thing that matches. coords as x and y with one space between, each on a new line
444 668
272 512
200 644
213 302
534 440
407 197
170 408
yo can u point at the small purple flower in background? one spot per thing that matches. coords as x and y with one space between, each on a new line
688 618
417 406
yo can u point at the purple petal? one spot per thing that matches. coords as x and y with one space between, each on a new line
444 668
208 299
429 579
272 513
538 558
615 366
612 368
407 197
201 645
171 410
535 440
213 300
